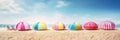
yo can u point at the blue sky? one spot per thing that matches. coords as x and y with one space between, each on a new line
52 11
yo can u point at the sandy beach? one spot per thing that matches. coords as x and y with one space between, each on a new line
60 35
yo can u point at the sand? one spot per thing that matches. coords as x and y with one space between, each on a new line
60 35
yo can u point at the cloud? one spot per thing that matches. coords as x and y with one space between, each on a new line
39 7
9 6
14 6
48 19
61 4
87 18
59 17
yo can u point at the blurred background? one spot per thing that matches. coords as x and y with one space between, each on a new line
53 11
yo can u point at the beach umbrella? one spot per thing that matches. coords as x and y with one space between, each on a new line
90 26
11 27
107 25
75 26
40 26
59 26
23 26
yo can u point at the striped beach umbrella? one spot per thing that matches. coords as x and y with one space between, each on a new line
59 26
90 26
107 25
23 26
40 26
75 26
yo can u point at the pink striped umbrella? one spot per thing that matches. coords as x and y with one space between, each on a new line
107 25
22 26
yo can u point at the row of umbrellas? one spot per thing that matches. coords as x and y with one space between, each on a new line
106 25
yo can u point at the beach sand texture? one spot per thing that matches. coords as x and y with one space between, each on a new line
60 35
